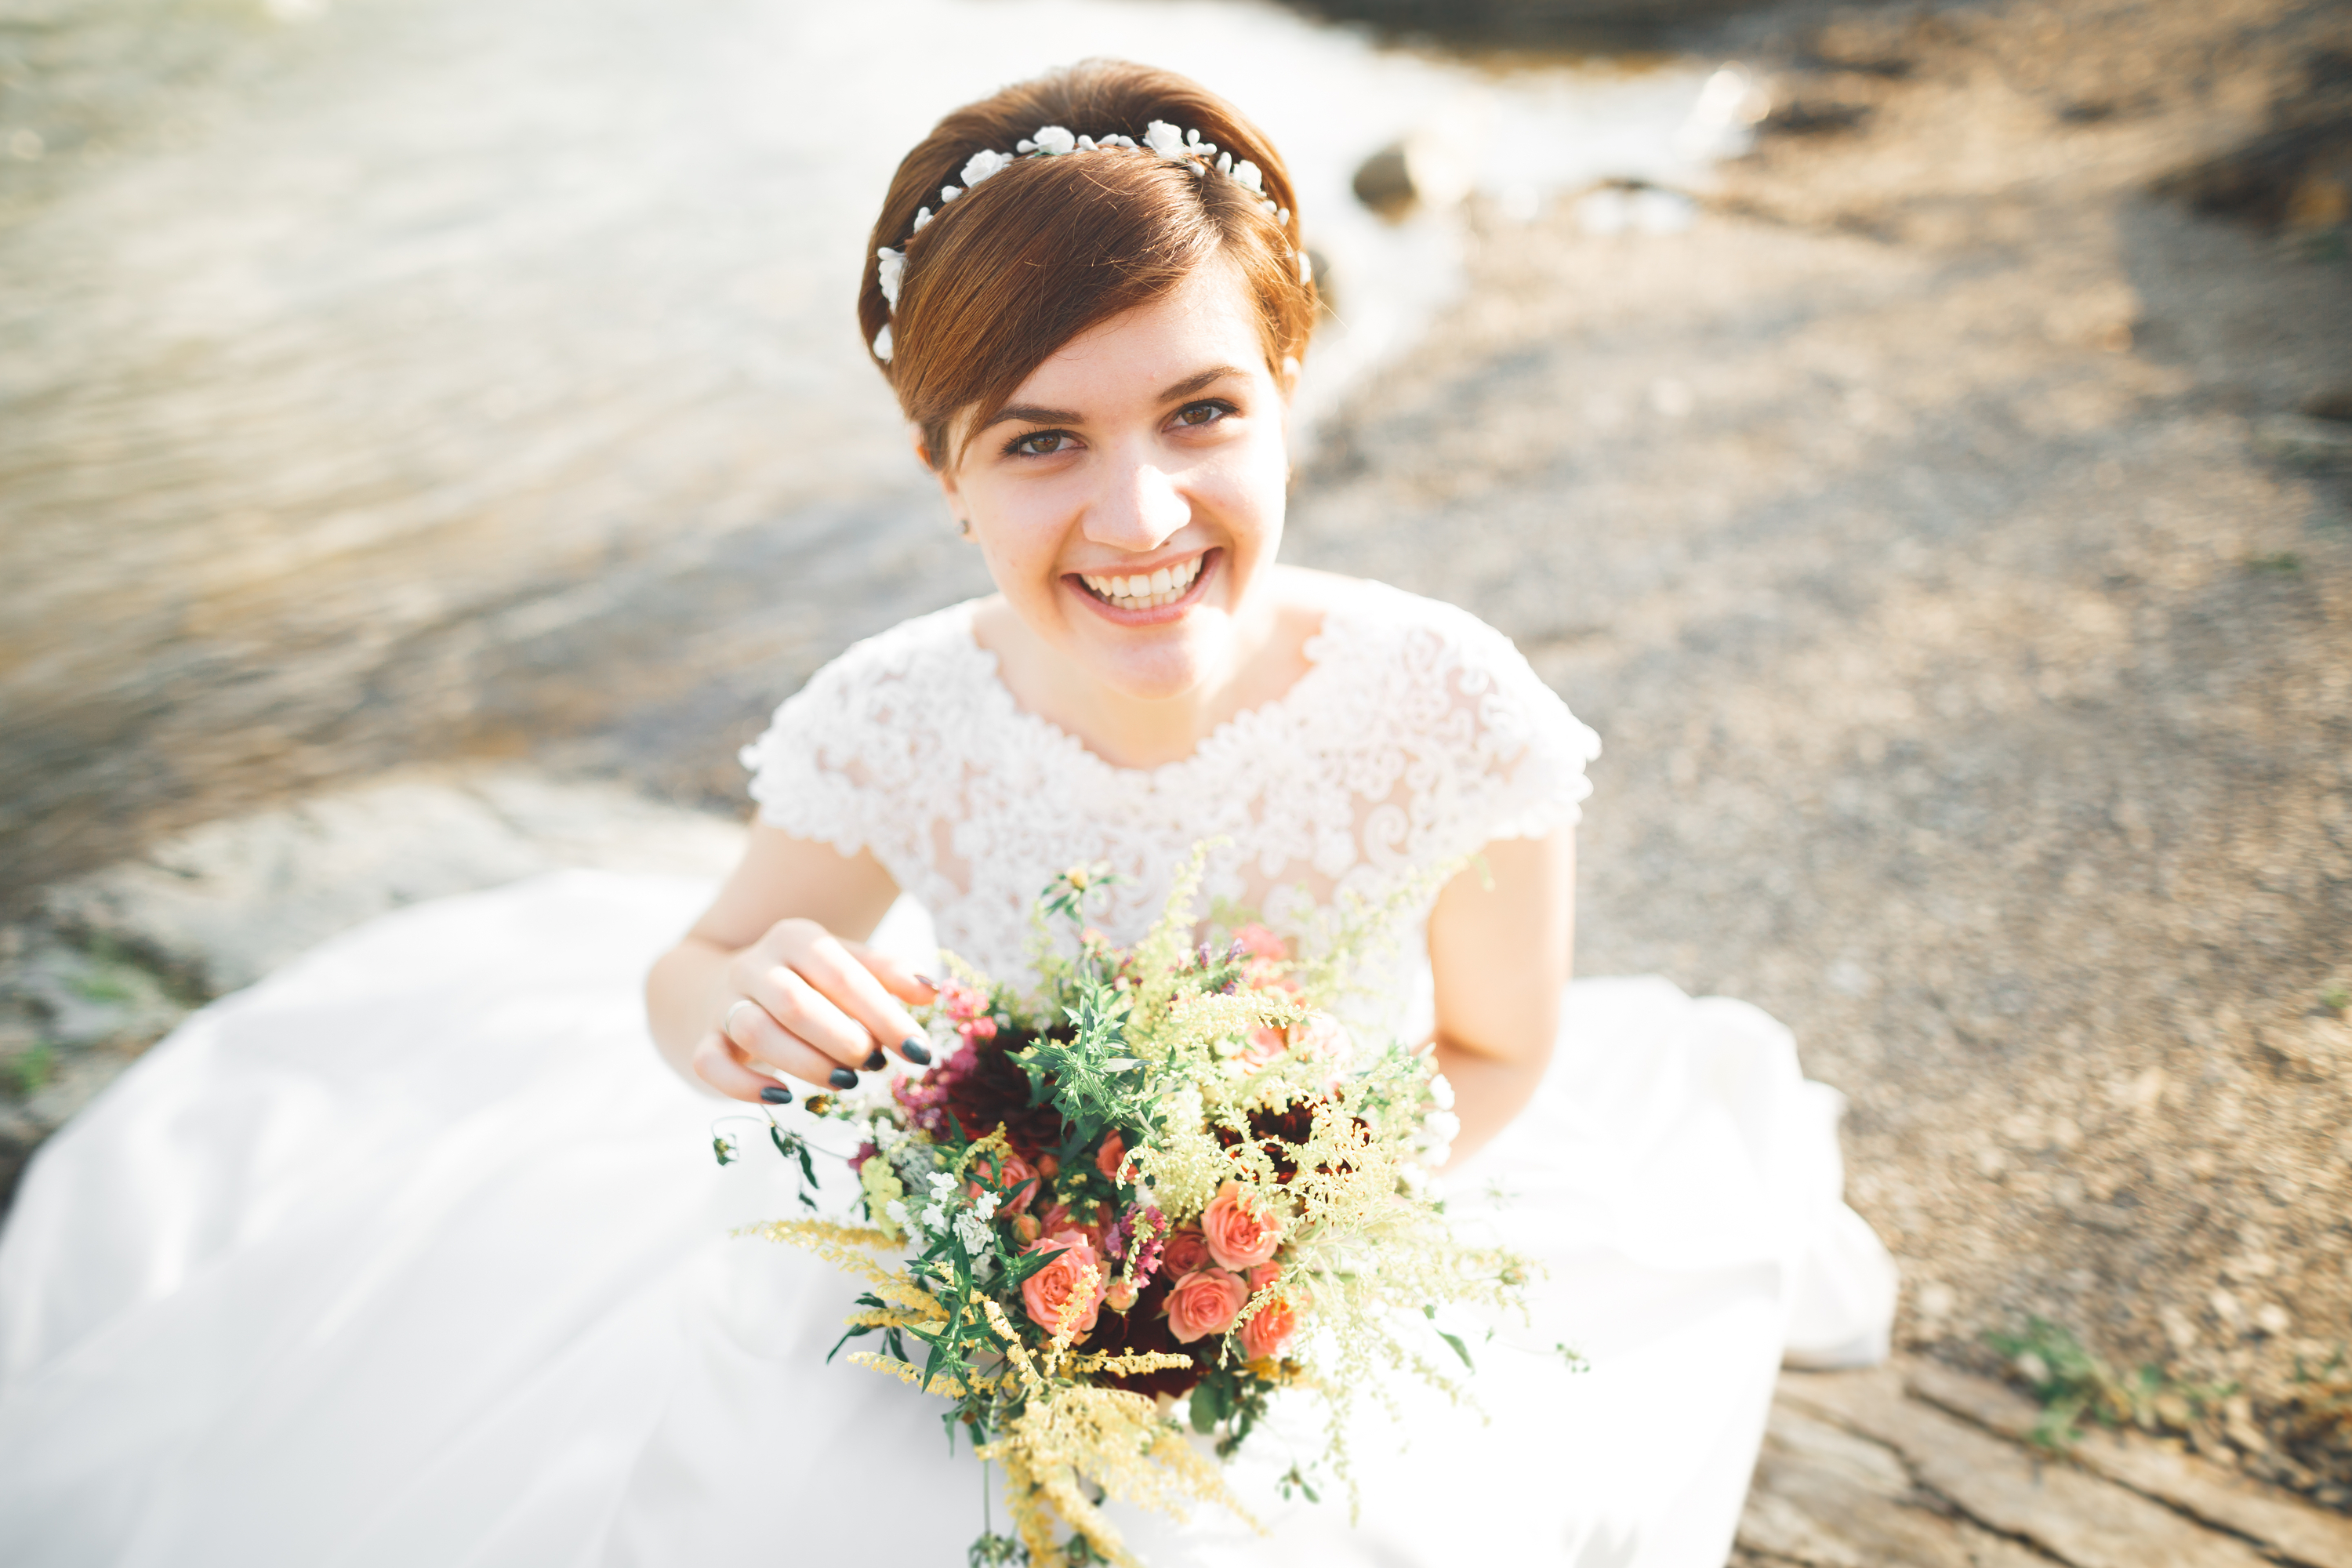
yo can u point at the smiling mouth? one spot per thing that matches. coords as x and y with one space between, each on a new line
1144 591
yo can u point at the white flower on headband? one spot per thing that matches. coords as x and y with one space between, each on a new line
1166 139
1056 140
983 164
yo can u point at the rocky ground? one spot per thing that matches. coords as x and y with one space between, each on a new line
1951 534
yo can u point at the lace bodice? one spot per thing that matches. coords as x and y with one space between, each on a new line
1416 735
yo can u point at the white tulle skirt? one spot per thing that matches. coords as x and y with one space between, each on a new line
414 1256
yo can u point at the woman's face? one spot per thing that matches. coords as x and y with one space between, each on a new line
1129 497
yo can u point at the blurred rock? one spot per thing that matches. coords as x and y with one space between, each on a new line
1425 170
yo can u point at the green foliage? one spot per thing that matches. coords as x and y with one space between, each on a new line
1228 1398
1453 1340
2284 564
31 1070
2337 999
993 1551
1089 1079
2074 1387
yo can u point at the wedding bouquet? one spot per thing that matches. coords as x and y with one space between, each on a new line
1143 1200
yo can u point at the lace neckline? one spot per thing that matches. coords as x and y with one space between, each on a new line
986 670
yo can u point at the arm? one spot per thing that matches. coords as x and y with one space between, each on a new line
777 937
1500 957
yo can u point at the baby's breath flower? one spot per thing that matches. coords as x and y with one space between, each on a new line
985 1205
934 1217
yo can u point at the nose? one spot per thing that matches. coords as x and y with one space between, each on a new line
1139 506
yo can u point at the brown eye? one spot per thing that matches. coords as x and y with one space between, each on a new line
1040 444
1197 414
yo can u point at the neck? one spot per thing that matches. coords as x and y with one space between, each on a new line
1260 661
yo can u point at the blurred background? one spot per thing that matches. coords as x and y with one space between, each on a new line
434 434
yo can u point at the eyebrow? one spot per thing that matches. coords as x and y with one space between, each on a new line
1031 413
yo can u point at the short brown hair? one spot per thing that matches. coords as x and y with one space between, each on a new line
1052 246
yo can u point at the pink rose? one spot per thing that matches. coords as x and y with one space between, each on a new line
1238 1238
1259 942
1321 1039
1263 1275
1113 1150
1120 1295
1269 1330
1185 1251
1204 1301
1049 1293
1026 1227
1019 1177
1266 1042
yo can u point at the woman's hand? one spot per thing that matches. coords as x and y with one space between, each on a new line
763 986
805 1003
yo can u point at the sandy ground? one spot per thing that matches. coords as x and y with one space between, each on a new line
1941 536
1925 534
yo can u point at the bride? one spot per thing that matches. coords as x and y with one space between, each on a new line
415 1253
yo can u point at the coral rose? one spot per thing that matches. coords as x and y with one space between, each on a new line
1120 1295
1049 1292
1238 1238
1018 1177
1205 1301
1269 1330
1113 1150
1184 1251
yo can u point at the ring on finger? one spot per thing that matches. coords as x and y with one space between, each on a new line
727 1025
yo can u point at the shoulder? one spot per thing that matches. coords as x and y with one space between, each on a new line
916 652
864 726
1360 618
1434 679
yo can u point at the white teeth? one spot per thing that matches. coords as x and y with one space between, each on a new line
1164 586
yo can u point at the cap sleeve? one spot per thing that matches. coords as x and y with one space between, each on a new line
1522 772
807 774
854 758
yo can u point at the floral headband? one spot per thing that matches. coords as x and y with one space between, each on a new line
1054 142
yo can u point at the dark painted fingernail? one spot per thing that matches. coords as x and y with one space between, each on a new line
915 1051
927 982
776 1094
877 1062
842 1078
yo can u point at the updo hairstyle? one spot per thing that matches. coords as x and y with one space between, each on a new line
1048 248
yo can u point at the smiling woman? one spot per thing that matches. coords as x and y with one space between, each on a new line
1130 504
424 1211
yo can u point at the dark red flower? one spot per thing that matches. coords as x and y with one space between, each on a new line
994 1092
1144 1327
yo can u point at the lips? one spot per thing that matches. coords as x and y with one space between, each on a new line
1144 590
1136 599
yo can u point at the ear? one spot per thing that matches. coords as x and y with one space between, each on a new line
945 476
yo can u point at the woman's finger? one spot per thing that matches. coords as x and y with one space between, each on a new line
897 978
718 1062
842 973
754 1031
807 1014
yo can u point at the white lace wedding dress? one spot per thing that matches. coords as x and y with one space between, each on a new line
413 1256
